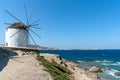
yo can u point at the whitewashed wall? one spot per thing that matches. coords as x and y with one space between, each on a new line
20 39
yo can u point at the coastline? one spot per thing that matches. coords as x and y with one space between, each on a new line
77 72
24 65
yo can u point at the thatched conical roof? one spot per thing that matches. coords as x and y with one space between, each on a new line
17 25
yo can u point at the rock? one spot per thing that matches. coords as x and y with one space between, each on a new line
77 73
65 65
95 69
117 73
54 58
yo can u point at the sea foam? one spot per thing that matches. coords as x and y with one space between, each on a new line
112 72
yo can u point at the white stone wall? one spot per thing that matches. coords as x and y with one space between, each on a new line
20 39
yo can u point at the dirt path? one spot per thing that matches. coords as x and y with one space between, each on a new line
23 68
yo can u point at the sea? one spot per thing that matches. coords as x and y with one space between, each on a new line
108 60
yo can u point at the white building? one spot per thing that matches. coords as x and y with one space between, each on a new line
16 35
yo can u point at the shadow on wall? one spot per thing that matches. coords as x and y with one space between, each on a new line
4 57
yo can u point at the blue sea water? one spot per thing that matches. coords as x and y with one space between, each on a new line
108 60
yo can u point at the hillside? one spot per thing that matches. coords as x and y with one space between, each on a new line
29 65
14 66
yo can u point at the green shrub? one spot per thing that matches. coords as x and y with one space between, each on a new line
56 71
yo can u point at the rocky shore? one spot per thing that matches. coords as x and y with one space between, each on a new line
77 73
24 65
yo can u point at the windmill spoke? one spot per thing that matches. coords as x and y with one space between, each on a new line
36 27
35 22
30 17
31 38
14 16
8 23
35 33
26 13
15 33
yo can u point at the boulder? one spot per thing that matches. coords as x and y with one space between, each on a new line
117 73
95 69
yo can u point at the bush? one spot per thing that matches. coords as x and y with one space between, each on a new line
56 71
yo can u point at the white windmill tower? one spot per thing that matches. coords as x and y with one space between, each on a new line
20 39
18 33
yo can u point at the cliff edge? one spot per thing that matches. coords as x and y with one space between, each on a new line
15 66
76 72
29 65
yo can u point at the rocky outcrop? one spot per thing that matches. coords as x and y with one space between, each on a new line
117 73
55 58
95 69
77 73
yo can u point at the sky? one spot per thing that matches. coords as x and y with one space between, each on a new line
69 24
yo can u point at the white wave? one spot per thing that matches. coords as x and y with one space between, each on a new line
117 64
98 61
105 61
80 61
105 64
114 64
112 72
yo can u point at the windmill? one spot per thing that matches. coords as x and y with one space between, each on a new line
18 33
